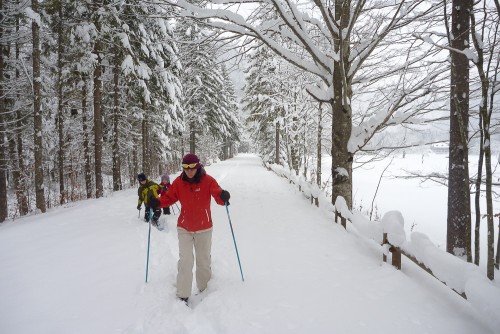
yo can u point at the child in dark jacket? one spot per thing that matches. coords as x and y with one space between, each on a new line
163 186
146 191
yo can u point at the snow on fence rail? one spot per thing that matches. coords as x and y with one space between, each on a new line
466 279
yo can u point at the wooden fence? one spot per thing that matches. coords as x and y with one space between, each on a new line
396 253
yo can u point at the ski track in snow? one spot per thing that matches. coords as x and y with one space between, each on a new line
81 269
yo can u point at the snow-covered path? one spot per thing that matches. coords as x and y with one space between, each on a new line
81 269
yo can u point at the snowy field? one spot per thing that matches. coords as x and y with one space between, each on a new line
423 204
81 269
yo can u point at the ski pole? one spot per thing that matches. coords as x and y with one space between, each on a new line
139 213
234 240
149 241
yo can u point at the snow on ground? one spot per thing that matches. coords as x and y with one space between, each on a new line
423 204
81 269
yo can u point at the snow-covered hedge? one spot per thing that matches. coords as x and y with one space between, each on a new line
309 189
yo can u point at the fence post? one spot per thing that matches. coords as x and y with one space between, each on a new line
396 253
396 257
342 219
384 241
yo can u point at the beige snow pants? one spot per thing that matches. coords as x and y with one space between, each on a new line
202 243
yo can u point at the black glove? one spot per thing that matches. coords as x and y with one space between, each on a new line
224 196
139 207
154 202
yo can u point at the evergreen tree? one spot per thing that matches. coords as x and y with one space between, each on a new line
262 107
230 125
152 68
209 102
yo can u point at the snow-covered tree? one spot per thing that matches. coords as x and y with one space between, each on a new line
275 93
262 103
229 127
209 100
148 61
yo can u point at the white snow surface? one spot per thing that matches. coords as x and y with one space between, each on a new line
81 269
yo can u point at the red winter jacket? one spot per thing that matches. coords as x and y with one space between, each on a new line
194 196
163 188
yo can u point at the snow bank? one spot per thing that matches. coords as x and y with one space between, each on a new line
461 276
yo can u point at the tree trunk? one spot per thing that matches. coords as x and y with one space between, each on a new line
98 127
97 107
21 188
294 147
192 138
277 143
15 159
490 265
477 196
135 165
145 141
86 147
117 182
144 144
60 107
225 149
3 173
485 117
319 145
37 112
497 261
3 113
341 112
182 145
459 220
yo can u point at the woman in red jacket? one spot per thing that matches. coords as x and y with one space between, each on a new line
194 189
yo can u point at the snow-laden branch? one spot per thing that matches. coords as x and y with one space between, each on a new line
469 53
235 23
363 52
400 99
296 25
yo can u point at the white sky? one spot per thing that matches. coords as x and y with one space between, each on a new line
81 269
